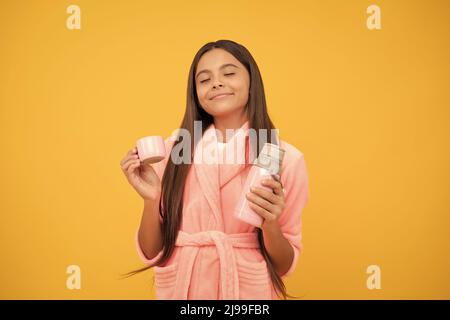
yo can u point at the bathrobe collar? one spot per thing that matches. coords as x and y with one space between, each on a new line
210 176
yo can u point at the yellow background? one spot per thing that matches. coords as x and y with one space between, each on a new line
368 108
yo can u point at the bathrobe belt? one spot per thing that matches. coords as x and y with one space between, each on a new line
228 268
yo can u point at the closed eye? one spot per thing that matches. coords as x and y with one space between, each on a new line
227 74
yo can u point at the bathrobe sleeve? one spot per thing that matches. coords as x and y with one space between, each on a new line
295 182
159 169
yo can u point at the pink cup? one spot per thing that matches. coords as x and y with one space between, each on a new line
151 149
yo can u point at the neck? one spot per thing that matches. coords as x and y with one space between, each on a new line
233 121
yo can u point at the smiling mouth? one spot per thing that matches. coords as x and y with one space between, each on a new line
221 96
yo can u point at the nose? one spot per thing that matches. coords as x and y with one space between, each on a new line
217 85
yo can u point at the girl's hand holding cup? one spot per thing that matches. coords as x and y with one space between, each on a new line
136 165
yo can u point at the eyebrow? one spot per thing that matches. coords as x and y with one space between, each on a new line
223 66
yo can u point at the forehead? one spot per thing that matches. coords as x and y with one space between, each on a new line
215 58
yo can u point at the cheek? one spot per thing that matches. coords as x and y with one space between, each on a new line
240 89
201 93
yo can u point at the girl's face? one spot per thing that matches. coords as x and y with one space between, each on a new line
222 83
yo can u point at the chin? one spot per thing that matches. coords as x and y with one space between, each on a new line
220 111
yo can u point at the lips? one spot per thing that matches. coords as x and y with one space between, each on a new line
220 95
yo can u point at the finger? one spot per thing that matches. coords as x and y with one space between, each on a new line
275 185
127 163
133 165
128 157
132 151
268 195
260 201
129 153
261 211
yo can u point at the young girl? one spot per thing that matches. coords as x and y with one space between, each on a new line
188 233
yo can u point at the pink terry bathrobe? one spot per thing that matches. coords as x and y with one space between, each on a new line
217 256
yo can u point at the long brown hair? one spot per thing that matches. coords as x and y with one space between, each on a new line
174 177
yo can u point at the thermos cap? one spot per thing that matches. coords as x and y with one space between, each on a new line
271 157
273 151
